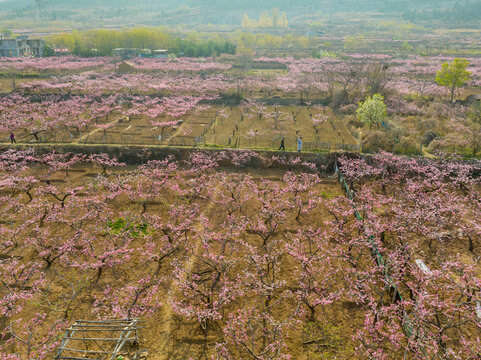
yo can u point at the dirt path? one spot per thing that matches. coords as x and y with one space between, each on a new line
428 155
138 146
78 144
169 348
82 138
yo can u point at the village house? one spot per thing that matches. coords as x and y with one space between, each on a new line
22 47
125 53
160 54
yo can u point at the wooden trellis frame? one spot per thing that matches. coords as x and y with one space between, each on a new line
98 339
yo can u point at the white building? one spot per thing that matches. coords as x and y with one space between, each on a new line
22 47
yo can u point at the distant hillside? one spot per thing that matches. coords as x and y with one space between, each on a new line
285 5
11 5
84 14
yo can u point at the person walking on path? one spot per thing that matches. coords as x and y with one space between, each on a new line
282 147
299 144
12 138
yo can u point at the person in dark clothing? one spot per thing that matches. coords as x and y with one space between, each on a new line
282 147
12 138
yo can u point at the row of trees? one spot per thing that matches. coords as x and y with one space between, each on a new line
275 19
102 42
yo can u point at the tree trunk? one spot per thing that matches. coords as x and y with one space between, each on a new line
452 95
